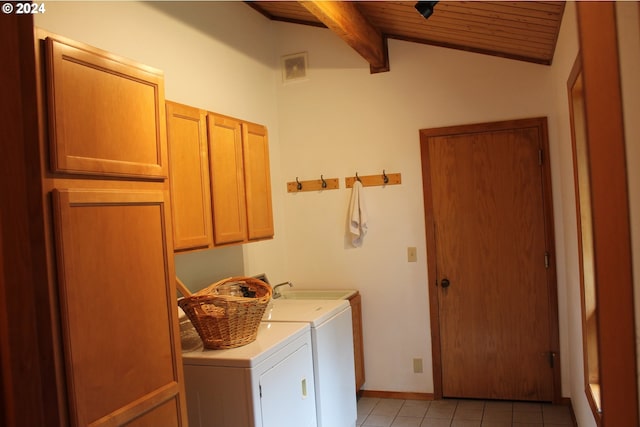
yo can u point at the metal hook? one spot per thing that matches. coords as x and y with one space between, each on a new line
385 178
299 184
357 177
324 183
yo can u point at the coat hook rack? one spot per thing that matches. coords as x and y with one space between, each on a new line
374 180
313 185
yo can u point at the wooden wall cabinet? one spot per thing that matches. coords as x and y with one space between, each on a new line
106 113
220 179
240 180
108 221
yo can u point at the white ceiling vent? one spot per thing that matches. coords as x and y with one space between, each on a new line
294 67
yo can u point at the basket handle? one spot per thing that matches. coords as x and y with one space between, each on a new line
207 290
182 288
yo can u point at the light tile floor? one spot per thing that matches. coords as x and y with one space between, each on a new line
375 412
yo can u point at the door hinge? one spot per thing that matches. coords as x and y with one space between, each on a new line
546 260
540 156
260 390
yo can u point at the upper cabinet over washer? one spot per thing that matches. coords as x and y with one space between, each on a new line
220 179
106 114
257 177
240 180
189 170
227 179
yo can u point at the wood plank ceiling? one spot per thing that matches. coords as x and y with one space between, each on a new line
520 30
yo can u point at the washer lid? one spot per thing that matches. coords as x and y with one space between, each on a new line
271 338
315 312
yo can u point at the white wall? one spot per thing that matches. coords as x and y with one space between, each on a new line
343 119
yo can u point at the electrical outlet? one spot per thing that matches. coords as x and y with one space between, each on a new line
412 254
417 366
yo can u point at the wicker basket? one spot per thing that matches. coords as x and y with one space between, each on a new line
227 321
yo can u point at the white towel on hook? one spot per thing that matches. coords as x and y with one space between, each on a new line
357 215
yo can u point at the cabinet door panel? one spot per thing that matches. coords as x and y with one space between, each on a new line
227 179
118 314
163 415
106 114
189 169
257 181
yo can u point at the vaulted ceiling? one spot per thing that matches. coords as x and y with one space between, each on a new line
520 30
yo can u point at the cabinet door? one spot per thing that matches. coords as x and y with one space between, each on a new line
118 312
227 179
257 181
106 113
189 170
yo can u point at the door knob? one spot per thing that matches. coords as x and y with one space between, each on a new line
445 283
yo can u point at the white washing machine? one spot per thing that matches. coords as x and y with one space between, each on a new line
332 342
267 383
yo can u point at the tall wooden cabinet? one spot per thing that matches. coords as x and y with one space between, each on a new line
220 179
104 174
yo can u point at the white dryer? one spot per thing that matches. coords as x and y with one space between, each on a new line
267 383
332 343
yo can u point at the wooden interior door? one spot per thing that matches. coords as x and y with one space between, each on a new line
488 221
120 336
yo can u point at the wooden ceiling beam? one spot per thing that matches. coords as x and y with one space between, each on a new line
344 19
